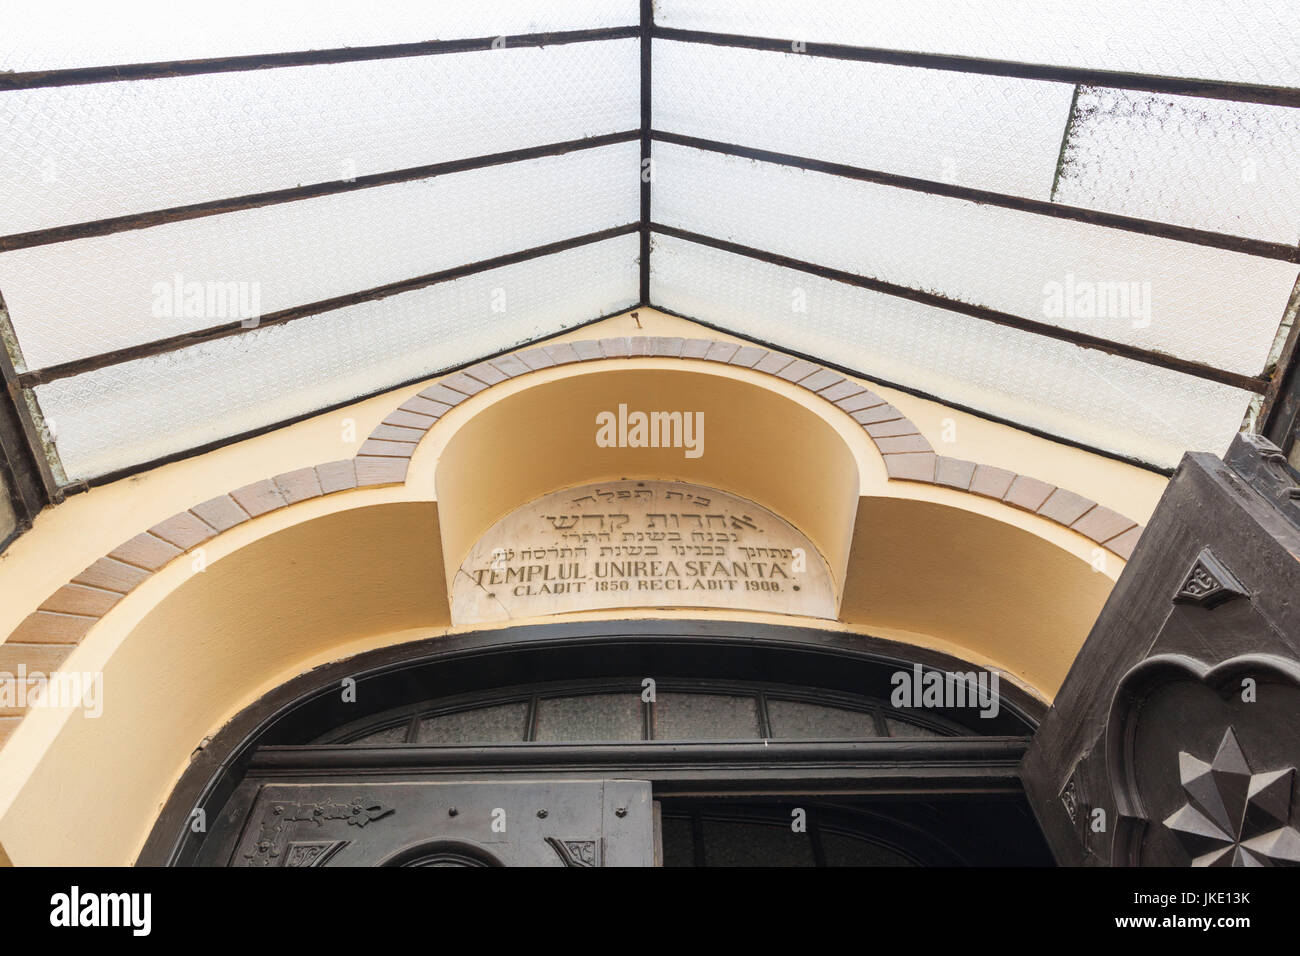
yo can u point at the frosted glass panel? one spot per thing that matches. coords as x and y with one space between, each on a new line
1248 40
1230 167
1220 308
902 728
74 299
395 734
58 34
1125 407
502 724
79 153
591 717
135 412
705 717
799 720
981 131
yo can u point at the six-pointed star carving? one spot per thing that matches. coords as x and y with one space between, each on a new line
1234 817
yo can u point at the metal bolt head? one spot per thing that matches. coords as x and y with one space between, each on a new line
621 812
452 811
542 814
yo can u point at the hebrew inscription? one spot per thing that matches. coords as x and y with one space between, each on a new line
640 544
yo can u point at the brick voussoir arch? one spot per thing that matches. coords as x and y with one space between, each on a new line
51 632
908 455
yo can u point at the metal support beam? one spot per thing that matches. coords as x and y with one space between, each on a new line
1256 384
186 339
269 61
156 217
647 26
1201 237
1113 79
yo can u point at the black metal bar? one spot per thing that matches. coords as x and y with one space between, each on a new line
22 482
1114 79
1159 359
19 481
18 464
988 764
186 339
109 477
647 25
34 481
1147 227
104 227
268 61
1280 413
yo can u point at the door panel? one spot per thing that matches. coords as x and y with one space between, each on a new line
508 823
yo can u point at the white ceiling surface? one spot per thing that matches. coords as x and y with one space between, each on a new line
1190 161
79 153
144 409
986 132
1208 305
66 34
1126 407
1251 41
1211 164
306 251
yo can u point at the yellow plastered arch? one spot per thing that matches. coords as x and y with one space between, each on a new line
349 556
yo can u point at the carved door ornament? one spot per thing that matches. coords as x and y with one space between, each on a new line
1208 583
1234 816
1199 772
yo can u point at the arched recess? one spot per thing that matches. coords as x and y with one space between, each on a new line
973 584
185 651
910 464
312 580
757 444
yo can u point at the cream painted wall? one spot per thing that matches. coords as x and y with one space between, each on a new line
201 646
330 577
71 536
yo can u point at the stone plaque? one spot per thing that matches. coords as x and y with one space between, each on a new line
640 544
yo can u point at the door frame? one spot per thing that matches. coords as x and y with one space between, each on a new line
265 737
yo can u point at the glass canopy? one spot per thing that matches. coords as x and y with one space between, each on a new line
1081 219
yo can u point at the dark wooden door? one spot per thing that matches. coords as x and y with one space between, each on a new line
1175 739
534 735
